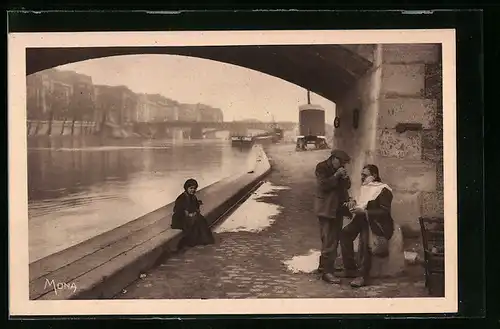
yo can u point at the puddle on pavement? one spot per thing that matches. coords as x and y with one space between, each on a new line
253 215
305 263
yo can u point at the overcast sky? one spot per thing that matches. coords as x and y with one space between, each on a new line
241 93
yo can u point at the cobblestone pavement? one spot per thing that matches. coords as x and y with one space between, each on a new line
250 265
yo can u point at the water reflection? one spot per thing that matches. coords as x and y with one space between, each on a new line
54 173
82 187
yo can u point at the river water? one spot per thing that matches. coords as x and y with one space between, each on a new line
81 188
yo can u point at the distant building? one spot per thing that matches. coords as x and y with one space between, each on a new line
61 95
37 91
74 96
103 101
188 112
143 109
155 108
209 114
66 92
44 93
83 101
129 105
69 77
199 113
115 104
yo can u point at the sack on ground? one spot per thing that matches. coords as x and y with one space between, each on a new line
379 245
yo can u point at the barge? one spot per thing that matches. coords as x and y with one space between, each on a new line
242 141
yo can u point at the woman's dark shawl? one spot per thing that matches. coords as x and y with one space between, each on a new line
183 203
379 214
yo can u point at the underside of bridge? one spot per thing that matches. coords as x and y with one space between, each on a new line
388 104
328 70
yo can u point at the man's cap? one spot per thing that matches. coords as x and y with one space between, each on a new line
340 155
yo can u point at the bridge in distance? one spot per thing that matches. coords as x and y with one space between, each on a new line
225 125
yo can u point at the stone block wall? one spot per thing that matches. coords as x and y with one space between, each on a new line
403 87
411 161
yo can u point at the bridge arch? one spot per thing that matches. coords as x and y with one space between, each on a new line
327 70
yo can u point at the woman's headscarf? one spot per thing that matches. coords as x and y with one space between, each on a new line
190 183
370 191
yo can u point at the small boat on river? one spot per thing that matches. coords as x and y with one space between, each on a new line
242 141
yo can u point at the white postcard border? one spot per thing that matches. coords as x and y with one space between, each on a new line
18 214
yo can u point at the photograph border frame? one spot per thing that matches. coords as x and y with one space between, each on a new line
457 141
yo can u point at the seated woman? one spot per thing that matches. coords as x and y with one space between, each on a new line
372 221
188 218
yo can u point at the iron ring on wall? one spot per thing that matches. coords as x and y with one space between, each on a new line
355 118
336 122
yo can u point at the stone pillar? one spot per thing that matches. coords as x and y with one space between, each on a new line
360 142
212 134
176 113
177 134
409 160
196 132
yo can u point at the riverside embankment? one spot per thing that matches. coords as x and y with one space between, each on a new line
267 248
103 265
82 187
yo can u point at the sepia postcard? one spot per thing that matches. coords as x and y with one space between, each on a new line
237 172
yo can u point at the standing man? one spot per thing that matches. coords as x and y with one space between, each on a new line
333 184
